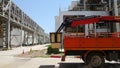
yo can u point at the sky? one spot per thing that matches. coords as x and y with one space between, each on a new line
43 12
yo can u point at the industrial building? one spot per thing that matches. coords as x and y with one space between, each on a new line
81 8
17 28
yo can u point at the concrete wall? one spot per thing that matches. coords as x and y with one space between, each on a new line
15 37
25 37
1 42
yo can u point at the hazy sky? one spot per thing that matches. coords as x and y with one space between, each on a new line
43 12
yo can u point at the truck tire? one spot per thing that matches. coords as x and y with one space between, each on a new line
95 60
82 57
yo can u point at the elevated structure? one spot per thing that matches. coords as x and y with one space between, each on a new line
17 28
81 8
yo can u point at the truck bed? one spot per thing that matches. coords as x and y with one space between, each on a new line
79 43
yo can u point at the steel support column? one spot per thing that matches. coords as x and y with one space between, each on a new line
116 14
9 21
25 38
22 29
85 5
39 42
21 36
33 36
110 4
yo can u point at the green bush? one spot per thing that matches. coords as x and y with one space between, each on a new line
56 51
51 50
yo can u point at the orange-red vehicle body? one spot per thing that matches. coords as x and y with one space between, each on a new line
93 43
79 43
87 44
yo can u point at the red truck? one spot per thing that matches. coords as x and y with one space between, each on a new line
94 47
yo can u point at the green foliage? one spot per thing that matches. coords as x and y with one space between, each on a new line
56 51
51 50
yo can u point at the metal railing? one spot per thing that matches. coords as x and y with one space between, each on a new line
92 35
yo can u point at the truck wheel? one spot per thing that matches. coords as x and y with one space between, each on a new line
95 60
82 57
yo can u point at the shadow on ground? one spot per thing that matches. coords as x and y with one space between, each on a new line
80 65
47 66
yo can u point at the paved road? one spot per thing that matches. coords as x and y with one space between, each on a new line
15 63
8 60
29 62
82 65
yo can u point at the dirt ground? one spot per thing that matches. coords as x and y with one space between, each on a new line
37 54
34 53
